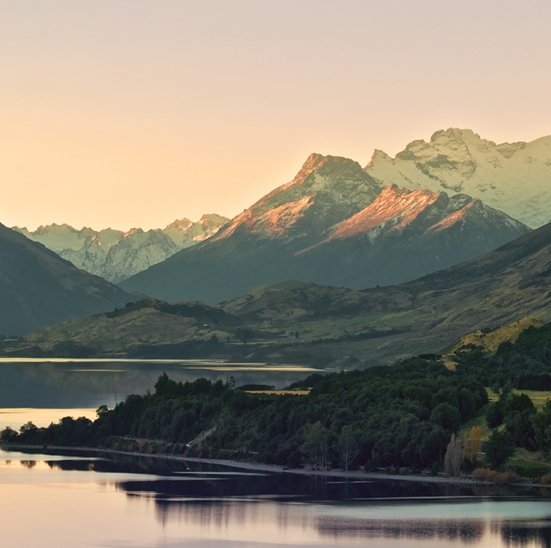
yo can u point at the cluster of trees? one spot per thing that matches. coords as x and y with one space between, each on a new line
524 426
522 365
406 415
525 364
401 416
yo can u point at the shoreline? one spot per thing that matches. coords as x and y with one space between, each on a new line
277 469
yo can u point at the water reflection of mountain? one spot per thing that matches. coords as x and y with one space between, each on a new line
91 384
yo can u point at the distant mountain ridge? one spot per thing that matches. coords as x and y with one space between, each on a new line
332 224
38 288
300 322
115 255
512 177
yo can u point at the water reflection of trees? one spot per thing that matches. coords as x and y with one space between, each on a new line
235 503
218 514
512 533
524 533
213 496
466 531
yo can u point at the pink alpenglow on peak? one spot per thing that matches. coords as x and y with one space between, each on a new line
399 205
452 218
326 190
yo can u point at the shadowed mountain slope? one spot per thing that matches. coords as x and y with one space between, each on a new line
300 322
331 225
38 288
420 316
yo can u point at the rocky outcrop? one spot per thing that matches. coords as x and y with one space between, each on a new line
512 177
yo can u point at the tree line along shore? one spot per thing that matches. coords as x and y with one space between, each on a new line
416 415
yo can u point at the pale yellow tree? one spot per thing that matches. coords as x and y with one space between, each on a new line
472 444
452 458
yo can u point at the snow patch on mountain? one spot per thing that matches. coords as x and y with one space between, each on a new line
512 177
326 190
116 255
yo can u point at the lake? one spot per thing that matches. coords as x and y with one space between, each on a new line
45 390
77 500
67 501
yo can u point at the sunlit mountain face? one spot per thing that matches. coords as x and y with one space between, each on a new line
332 224
327 190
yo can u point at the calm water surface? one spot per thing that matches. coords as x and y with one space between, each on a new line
82 501
44 390
79 501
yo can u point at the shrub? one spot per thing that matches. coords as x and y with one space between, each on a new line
493 476
546 479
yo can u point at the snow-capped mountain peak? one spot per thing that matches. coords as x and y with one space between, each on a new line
115 255
326 190
512 177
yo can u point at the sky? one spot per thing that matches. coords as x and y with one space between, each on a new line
134 113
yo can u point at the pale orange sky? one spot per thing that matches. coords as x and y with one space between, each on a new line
135 113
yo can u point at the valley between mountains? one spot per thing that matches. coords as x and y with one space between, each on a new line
299 322
436 262
342 266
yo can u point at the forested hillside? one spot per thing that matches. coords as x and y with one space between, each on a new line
524 364
386 416
415 414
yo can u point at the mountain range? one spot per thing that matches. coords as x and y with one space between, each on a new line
38 288
335 225
299 322
115 255
430 207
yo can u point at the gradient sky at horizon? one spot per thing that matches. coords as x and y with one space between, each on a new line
132 113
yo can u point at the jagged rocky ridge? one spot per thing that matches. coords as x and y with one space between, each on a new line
39 289
115 255
333 224
512 177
